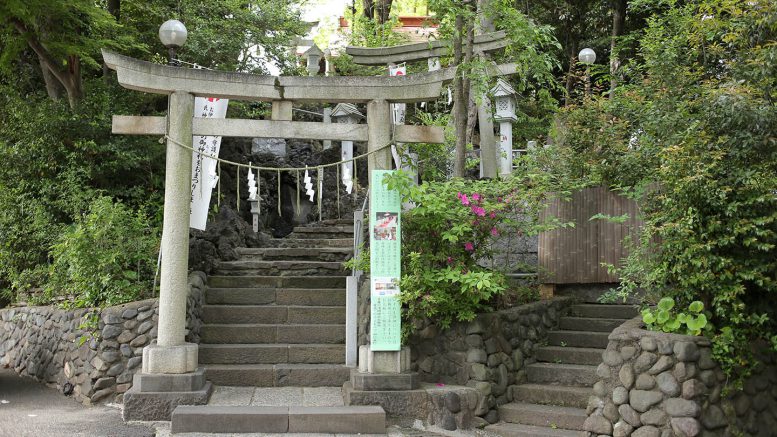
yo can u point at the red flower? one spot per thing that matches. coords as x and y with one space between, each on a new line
494 232
468 246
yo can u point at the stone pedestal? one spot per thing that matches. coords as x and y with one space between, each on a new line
383 361
154 396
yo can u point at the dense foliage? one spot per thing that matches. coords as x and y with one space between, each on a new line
694 137
449 241
106 257
61 163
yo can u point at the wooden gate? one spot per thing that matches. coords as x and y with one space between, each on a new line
579 255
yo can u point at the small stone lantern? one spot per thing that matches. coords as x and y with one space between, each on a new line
504 94
313 56
345 113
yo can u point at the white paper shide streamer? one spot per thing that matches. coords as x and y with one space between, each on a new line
251 185
204 177
309 191
347 179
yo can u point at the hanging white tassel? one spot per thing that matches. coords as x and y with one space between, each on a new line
309 191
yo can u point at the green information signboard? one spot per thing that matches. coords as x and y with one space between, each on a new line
385 248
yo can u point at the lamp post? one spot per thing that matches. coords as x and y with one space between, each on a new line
504 94
173 35
587 56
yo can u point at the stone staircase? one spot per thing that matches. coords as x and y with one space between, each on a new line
552 402
276 316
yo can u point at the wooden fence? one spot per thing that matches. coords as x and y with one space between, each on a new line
577 255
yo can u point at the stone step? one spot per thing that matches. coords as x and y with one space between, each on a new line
578 339
260 333
217 281
546 394
279 268
273 314
255 419
309 242
282 296
278 375
338 229
562 374
518 430
543 415
604 311
589 324
329 254
271 353
569 355
333 222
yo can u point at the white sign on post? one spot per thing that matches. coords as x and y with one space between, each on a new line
204 177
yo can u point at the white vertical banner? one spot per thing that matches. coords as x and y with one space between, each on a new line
204 177
397 109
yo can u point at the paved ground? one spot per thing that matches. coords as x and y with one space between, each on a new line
29 408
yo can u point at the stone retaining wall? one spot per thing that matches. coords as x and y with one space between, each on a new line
489 353
44 343
654 384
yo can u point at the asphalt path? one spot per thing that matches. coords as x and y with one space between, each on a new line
29 408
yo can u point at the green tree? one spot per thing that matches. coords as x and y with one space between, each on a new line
692 133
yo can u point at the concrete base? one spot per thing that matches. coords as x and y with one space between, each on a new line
156 382
383 361
160 405
384 381
253 419
170 359
397 403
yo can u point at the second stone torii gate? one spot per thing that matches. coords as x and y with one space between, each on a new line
171 362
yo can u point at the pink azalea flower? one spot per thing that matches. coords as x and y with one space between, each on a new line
479 211
476 197
464 200
494 232
469 247
450 260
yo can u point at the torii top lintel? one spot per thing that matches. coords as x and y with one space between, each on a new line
162 79
486 42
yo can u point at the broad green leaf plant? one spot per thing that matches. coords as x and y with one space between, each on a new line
665 318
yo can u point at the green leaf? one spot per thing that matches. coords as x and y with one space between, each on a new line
696 307
666 304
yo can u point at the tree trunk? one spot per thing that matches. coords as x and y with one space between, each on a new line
53 87
69 77
369 9
383 10
571 71
114 8
459 103
618 22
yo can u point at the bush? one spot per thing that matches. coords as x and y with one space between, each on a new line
447 239
107 257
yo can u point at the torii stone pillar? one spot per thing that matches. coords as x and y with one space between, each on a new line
170 376
171 354
378 134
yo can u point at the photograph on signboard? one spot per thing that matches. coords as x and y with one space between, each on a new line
385 286
386 226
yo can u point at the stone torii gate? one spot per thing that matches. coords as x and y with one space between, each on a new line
432 51
171 362
169 374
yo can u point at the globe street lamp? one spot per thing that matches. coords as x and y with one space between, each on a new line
173 34
587 56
